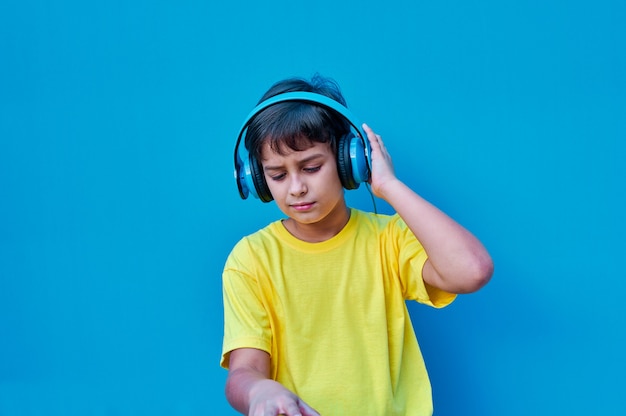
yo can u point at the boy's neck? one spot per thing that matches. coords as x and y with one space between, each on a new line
322 230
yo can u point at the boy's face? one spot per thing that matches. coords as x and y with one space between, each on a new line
305 184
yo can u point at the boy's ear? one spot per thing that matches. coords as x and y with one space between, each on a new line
258 179
344 167
249 176
352 161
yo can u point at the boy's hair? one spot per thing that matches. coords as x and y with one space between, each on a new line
296 124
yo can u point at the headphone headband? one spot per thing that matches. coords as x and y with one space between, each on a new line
242 169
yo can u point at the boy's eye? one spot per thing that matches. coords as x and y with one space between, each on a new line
312 169
278 177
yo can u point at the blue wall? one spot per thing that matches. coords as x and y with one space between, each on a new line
118 206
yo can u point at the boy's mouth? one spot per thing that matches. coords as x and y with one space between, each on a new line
302 206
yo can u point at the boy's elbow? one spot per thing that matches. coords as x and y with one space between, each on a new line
478 274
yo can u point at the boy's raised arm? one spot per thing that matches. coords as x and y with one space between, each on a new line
457 261
250 390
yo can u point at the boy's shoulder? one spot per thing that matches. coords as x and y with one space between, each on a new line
380 221
265 232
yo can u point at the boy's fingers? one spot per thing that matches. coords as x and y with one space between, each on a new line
371 136
292 409
307 410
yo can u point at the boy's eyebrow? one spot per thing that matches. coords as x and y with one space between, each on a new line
300 162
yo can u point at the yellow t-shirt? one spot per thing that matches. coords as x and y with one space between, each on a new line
332 315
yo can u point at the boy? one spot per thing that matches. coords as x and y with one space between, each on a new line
314 304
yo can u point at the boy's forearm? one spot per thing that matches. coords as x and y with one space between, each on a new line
250 392
459 262
238 387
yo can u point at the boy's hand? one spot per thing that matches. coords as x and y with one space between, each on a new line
382 166
270 398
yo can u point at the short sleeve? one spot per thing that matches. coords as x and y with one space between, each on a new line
411 258
246 322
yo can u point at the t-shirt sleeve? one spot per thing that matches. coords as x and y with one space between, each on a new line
246 323
411 260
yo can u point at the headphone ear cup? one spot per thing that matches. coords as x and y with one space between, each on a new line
344 164
258 179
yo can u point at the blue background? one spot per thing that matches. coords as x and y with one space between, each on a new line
118 205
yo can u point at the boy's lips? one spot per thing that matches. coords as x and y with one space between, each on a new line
302 206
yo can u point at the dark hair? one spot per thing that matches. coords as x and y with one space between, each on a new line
297 124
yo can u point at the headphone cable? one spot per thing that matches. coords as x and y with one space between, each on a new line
369 189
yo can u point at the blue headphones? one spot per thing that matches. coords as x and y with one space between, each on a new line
353 150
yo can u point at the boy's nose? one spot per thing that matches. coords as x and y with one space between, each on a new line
297 186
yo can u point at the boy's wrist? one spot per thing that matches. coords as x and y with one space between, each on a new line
391 190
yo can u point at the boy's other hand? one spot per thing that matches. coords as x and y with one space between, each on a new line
270 398
382 166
